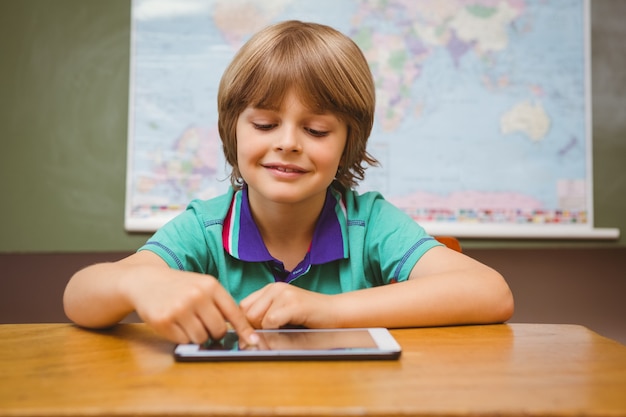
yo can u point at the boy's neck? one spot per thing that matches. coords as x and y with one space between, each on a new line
287 231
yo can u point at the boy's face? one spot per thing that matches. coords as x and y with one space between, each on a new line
289 155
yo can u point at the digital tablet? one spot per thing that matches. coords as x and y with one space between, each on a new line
297 344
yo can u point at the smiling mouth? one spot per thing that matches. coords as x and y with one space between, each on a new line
285 169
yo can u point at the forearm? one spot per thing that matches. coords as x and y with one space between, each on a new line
477 296
93 297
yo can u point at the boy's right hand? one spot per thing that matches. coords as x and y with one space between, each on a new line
187 307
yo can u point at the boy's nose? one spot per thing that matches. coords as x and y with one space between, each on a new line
288 141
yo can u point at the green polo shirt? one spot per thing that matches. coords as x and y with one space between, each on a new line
360 241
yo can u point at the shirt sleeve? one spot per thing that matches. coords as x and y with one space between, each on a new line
394 241
181 243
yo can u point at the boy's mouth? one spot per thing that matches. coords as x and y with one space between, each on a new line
287 169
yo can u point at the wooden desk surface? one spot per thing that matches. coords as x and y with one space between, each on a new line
515 369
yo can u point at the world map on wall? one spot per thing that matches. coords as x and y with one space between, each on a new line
481 104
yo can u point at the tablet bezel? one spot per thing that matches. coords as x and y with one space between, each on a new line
386 348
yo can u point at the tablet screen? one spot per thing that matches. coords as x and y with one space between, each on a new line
298 340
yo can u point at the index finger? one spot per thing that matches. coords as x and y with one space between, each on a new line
237 319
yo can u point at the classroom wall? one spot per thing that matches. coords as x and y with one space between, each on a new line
554 285
64 71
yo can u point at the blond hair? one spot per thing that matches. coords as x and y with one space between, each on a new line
327 71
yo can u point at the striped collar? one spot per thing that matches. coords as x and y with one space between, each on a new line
242 239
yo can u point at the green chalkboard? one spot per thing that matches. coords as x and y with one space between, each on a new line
64 77
64 83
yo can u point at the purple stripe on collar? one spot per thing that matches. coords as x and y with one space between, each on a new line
327 242
250 243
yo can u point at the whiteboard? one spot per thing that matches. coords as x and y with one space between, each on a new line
483 124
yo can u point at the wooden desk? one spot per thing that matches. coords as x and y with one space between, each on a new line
507 370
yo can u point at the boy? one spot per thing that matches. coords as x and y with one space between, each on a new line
291 243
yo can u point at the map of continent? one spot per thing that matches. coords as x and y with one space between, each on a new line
481 105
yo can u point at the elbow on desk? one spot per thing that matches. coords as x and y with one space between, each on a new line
493 300
504 307
507 309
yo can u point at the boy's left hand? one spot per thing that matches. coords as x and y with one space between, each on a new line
279 304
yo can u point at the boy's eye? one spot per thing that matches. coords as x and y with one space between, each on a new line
316 133
263 126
